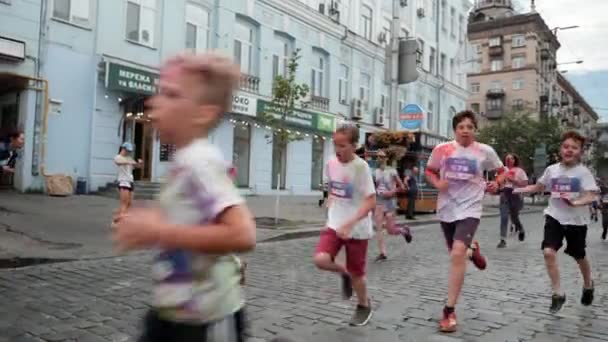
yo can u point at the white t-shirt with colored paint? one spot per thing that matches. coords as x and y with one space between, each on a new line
386 179
349 185
463 168
125 168
567 182
191 286
518 174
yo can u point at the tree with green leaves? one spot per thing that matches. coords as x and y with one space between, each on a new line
519 133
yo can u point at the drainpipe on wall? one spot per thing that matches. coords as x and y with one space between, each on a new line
40 114
94 109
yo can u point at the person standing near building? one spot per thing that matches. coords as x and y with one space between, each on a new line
573 188
352 199
603 184
510 203
124 178
411 180
456 169
9 151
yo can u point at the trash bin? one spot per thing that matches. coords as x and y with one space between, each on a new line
81 186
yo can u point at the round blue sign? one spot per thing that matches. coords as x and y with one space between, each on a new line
411 117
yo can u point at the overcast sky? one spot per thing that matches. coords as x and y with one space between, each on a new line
589 43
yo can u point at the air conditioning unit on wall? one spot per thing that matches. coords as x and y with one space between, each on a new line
356 109
421 13
379 116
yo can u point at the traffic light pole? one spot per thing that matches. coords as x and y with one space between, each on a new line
394 60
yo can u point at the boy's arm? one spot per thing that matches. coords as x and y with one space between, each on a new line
233 232
431 172
530 189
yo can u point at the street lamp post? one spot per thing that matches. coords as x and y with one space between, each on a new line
553 72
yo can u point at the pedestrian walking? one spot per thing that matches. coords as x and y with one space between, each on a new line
456 169
511 204
573 188
201 220
124 178
411 180
604 207
387 183
352 198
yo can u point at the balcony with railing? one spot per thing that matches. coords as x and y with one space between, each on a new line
495 93
319 102
249 83
494 113
496 51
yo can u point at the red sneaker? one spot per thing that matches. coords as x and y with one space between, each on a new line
478 260
448 322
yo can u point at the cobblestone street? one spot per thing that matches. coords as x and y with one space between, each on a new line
104 299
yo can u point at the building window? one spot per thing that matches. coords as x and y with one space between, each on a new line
495 41
141 21
474 87
280 60
319 74
442 65
496 85
279 164
477 48
365 89
449 129
461 28
386 30
518 84
242 154
421 49
76 12
518 40
343 84
402 99
197 28
384 104
243 46
317 163
494 104
366 22
453 22
434 10
452 70
444 15
475 108
496 65
429 117
432 61
519 62
518 104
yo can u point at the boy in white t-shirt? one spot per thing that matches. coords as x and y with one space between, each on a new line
456 169
573 188
352 198
201 220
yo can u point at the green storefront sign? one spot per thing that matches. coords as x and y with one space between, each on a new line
300 118
123 78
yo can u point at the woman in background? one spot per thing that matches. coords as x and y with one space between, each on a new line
510 203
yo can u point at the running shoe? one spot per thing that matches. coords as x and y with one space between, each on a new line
502 244
381 257
587 298
557 302
347 286
522 235
448 322
478 260
407 233
362 315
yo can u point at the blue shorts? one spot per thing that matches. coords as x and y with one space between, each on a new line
389 205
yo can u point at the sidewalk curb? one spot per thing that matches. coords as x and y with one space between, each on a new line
312 232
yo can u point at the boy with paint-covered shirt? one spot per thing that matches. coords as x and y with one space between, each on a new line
573 188
352 197
201 220
456 169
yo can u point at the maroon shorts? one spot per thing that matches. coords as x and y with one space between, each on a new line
356 251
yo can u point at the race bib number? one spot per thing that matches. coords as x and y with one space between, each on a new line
565 187
460 168
341 189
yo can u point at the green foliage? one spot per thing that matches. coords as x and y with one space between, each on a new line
286 93
520 134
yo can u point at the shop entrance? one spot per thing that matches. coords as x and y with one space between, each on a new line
138 130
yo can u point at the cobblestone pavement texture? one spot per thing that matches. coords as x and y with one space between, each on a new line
104 299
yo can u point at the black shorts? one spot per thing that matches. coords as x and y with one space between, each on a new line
230 329
129 186
461 230
575 236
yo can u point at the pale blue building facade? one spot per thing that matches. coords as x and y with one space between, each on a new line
101 60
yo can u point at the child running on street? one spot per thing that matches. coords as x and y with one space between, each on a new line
352 198
201 221
456 169
572 188
387 183
124 179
